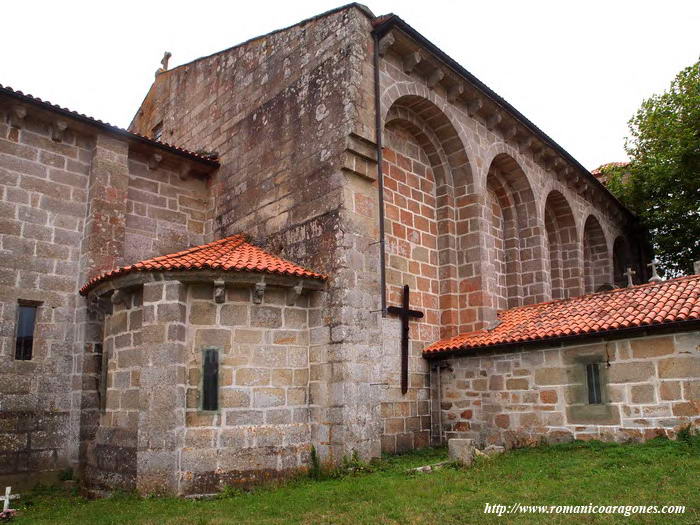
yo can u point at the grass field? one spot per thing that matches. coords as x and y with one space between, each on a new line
660 472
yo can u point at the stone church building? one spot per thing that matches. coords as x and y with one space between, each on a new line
200 300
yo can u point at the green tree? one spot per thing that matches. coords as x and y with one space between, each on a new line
662 181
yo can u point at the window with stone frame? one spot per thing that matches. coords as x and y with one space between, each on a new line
593 384
157 131
24 333
210 379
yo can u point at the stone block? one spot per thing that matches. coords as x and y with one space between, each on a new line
252 376
203 313
654 347
670 390
551 376
517 384
642 394
268 397
461 451
630 372
234 315
265 316
679 367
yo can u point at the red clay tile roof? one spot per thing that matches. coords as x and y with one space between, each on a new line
652 304
599 170
231 254
30 99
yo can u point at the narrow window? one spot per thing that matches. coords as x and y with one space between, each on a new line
593 380
157 131
210 380
26 320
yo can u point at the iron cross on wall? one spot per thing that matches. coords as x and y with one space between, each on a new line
405 313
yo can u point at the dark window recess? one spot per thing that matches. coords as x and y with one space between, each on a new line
157 131
593 380
26 320
210 380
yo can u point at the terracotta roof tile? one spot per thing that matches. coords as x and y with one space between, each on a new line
652 304
231 254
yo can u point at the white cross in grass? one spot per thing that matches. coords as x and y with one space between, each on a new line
7 497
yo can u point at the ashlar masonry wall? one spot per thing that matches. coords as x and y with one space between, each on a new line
651 387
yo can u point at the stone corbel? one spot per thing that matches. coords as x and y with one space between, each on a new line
493 121
410 61
509 132
121 297
385 44
294 293
525 144
455 92
185 171
219 292
17 116
475 105
259 292
435 78
58 128
154 161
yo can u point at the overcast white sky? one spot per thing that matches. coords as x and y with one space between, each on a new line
578 70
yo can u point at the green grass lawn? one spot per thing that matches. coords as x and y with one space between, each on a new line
660 472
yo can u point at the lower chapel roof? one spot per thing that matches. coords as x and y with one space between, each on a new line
662 304
230 254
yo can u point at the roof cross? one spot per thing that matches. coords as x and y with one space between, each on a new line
655 278
629 273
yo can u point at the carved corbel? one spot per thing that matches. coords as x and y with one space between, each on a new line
17 116
435 78
185 171
385 44
494 120
410 61
121 297
219 291
509 132
455 92
294 293
525 144
259 292
58 127
154 161
475 106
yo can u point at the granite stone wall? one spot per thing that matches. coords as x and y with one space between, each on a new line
261 429
650 387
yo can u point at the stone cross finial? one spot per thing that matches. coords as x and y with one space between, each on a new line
166 58
629 273
164 63
655 278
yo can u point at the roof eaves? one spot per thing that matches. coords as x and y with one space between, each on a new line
35 101
396 21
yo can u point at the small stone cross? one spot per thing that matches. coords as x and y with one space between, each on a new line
629 273
655 278
7 497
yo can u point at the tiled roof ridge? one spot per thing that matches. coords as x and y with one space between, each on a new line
605 292
26 97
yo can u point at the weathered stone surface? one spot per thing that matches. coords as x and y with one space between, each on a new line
461 451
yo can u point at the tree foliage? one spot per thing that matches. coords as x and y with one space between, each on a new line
662 182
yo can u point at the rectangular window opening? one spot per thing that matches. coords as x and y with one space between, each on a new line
26 322
157 131
210 380
593 381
